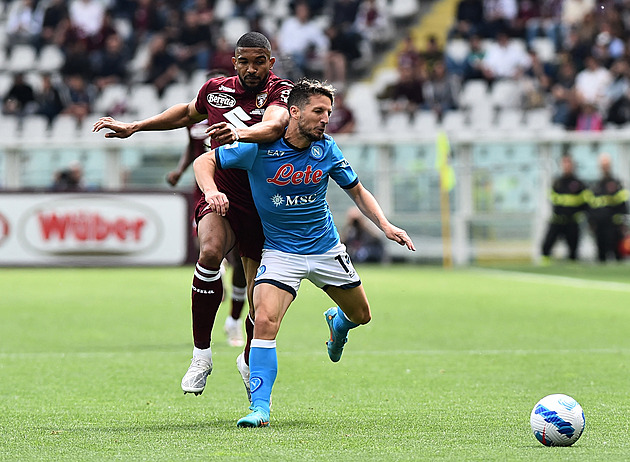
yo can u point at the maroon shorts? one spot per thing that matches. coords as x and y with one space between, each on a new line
245 223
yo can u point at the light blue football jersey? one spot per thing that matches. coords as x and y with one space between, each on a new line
289 189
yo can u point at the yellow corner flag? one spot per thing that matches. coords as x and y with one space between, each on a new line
447 182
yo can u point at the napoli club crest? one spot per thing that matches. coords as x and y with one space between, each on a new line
317 153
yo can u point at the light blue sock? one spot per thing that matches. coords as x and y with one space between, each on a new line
341 323
263 369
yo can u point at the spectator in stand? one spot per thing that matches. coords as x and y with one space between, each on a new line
342 119
405 95
193 43
432 52
618 93
504 60
86 17
345 13
591 84
608 207
146 20
548 23
607 47
589 119
302 41
473 64
55 23
107 29
221 60
20 98
409 56
79 97
161 68
527 11
563 99
344 50
373 23
110 64
537 81
77 61
468 19
24 24
49 101
498 16
441 90
574 11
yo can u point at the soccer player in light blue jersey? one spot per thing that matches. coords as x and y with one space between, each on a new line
289 179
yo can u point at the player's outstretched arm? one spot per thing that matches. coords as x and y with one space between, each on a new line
275 119
176 116
371 209
204 167
185 160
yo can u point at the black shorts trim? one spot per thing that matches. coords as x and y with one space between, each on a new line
278 284
351 285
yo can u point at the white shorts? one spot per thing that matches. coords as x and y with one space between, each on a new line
287 270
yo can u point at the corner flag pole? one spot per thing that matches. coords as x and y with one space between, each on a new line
447 182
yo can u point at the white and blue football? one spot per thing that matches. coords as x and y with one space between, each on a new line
557 420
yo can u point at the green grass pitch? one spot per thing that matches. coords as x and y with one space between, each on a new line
449 368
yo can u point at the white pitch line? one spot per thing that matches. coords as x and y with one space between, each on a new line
476 352
557 280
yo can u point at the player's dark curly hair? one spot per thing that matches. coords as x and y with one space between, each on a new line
253 40
305 88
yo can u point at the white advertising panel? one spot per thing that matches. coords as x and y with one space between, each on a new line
93 229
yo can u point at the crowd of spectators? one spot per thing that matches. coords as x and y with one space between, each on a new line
584 80
105 42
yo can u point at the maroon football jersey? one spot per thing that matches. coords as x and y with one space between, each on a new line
225 100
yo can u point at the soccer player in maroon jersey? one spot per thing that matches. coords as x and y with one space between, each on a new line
251 106
197 139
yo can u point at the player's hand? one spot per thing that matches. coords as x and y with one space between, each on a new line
222 133
172 178
218 202
119 129
399 235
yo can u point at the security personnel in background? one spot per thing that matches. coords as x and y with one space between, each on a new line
608 202
568 197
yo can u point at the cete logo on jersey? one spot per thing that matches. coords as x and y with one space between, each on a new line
287 174
4 228
317 152
261 98
221 100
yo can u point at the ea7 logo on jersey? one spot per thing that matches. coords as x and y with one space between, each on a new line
261 98
221 100
275 153
301 200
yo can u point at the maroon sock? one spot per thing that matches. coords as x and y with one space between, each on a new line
249 331
238 300
207 293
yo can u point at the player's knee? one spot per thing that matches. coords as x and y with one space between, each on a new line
266 325
210 255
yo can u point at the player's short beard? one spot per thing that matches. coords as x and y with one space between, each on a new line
308 134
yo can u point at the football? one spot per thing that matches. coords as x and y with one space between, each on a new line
557 420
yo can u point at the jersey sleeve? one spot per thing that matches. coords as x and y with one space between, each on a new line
236 155
200 103
341 171
279 94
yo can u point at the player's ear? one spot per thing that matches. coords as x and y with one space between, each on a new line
272 61
294 112
234 62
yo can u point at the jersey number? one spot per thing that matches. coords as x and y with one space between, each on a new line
344 261
237 117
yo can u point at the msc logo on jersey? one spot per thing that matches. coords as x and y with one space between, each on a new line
317 152
221 100
301 200
291 201
261 99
